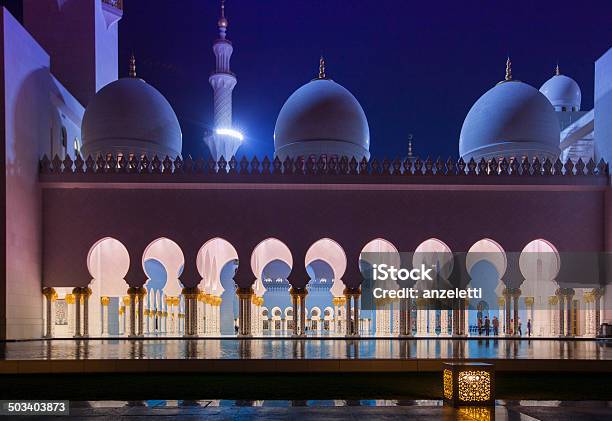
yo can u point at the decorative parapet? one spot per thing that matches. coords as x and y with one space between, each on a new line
416 170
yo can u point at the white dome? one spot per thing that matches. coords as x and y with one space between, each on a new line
130 116
322 117
512 119
563 93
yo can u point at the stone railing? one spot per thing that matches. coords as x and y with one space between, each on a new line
334 167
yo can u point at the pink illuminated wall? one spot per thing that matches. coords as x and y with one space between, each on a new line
27 120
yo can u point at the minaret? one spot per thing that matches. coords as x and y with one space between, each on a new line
410 156
223 141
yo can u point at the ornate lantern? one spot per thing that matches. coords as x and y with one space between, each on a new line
468 384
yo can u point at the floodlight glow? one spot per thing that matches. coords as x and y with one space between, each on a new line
230 132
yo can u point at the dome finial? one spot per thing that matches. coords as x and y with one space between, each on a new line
321 68
508 70
557 71
132 71
222 22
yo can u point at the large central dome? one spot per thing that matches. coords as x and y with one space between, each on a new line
322 118
130 116
512 119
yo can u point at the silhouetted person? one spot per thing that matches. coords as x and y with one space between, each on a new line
520 328
495 326
529 327
487 325
479 326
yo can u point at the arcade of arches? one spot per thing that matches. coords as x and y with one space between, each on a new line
108 306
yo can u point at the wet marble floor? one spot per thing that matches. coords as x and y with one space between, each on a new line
554 349
340 410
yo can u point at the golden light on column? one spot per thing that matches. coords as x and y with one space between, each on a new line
468 384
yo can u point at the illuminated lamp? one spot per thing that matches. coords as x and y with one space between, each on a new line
468 384
230 132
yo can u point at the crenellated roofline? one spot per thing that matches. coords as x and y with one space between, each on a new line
322 170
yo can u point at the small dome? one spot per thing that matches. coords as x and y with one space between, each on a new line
130 116
512 119
563 93
322 117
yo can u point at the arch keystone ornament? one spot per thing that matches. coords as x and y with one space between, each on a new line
468 384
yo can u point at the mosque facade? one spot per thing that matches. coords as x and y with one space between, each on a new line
111 231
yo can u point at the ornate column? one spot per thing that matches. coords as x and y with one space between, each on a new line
142 293
597 294
501 303
421 320
202 314
244 310
553 302
191 311
302 293
443 322
131 302
431 323
104 301
588 301
50 296
569 310
195 292
516 293
296 311
77 313
126 315
85 294
70 300
507 307
356 295
342 316
121 318
348 314
530 314
561 299
333 324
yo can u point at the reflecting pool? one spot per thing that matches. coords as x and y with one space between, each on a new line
305 349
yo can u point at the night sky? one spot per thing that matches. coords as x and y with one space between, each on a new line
415 66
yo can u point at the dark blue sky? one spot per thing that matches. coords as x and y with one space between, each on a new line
415 66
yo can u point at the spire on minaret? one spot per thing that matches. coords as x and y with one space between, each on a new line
321 68
222 22
557 71
132 71
225 141
410 152
508 70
